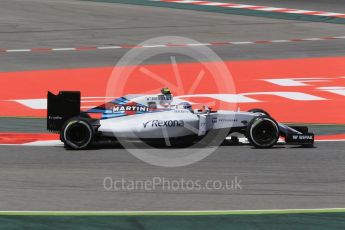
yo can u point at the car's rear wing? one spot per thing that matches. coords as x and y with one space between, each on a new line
61 107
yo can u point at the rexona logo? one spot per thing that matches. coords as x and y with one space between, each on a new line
130 108
166 123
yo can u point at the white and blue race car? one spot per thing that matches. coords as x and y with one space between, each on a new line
156 118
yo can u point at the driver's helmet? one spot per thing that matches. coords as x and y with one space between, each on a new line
165 91
185 105
165 97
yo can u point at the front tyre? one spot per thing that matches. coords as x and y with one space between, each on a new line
262 132
77 133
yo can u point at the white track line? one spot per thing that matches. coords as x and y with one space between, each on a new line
177 212
222 43
59 143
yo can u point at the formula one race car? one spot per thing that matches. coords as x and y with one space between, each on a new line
158 117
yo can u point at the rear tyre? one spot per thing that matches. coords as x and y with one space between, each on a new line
256 110
262 132
77 133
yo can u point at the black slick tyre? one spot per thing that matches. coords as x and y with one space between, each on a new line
262 132
77 133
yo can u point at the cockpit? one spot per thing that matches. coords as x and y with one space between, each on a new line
162 100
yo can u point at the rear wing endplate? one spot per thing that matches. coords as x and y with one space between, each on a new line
61 107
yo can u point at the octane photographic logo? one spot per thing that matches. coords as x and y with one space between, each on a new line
133 74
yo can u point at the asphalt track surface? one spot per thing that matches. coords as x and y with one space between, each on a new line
50 178
40 24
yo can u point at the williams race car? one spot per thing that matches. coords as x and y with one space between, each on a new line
158 117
